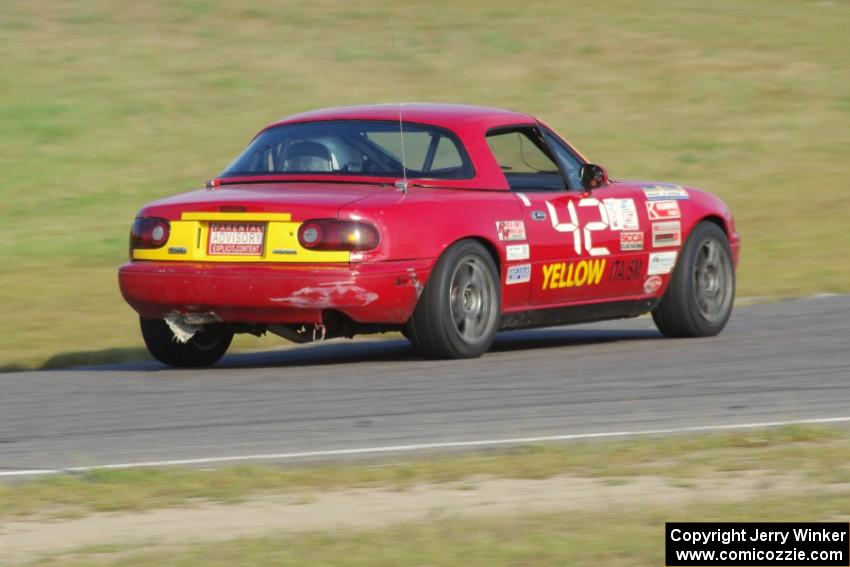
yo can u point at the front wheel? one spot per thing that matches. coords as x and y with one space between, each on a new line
458 313
205 348
698 301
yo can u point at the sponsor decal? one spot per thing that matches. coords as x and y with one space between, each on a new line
664 191
652 284
631 241
510 230
538 215
573 274
663 210
622 214
517 252
668 233
661 263
518 274
626 270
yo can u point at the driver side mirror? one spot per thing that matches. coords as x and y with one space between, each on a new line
593 176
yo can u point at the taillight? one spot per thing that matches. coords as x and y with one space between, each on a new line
326 234
148 233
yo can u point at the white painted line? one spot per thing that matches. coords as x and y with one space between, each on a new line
524 199
427 446
33 472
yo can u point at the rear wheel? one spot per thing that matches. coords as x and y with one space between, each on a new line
458 313
698 301
205 348
409 333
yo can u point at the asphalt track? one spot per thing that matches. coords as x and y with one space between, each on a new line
775 362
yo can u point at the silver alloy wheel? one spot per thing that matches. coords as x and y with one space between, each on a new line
713 280
472 296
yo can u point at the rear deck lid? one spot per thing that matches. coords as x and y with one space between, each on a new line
250 222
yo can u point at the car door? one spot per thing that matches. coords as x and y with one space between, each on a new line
584 246
627 226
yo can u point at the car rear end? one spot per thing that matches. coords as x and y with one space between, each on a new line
261 263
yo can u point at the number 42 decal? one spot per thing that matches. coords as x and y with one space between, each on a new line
589 228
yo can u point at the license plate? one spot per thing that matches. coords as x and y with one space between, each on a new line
236 239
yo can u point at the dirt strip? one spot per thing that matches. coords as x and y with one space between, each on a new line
22 541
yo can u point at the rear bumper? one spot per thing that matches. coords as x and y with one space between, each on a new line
382 292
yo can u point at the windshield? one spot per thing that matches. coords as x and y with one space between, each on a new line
354 147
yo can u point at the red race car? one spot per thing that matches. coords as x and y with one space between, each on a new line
445 222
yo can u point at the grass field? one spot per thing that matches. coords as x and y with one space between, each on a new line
625 531
819 454
632 536
107 105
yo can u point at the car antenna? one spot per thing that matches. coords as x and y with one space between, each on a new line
400 184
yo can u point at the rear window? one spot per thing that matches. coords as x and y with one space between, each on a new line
354 147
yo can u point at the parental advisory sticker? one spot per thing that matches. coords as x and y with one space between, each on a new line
693 544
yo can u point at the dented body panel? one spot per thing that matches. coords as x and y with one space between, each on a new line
380 292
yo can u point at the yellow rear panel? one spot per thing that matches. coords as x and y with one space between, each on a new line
187 241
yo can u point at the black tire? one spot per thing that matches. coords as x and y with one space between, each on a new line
205 348
458 312
409 333
698 301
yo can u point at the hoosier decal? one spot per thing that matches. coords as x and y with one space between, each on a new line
573 274
668 233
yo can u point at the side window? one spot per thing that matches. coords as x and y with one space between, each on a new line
569 162
426 152
446 155
524 162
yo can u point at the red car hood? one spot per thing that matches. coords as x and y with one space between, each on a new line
301 200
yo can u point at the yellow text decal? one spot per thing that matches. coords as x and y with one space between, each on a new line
573 274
